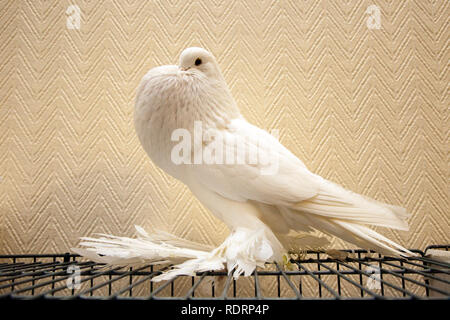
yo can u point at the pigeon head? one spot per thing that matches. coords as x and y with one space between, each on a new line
199 60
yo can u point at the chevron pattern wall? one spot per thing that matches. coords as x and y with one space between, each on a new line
360 95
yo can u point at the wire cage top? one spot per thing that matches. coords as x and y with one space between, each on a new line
361 275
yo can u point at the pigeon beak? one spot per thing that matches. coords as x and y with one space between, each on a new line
184 68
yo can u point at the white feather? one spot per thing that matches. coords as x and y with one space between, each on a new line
241 252
158 247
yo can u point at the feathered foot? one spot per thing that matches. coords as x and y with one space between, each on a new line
240 253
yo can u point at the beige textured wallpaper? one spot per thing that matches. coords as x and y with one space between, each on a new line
360 93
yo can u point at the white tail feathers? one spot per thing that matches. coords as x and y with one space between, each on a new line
376 241
334 201
345 214
353 232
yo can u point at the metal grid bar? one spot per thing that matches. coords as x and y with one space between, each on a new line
317 277
343 276
291 285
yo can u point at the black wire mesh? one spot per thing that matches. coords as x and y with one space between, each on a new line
362 275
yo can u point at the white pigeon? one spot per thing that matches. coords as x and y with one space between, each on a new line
267 211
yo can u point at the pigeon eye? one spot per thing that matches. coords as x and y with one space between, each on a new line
198 61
